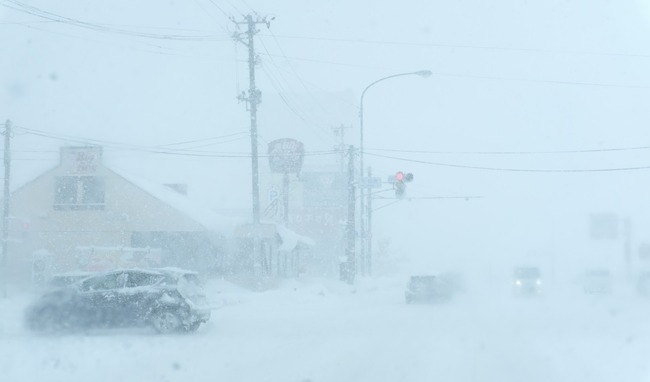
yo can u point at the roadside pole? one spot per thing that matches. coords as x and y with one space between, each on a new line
5 212
348 266
369 231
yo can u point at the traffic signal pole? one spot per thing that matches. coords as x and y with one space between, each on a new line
362 179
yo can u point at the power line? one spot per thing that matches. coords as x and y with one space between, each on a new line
295 73
330 62
302 115
473 76
423 198
542 152
203 139
543 81
463 46
223 28
226 15
505 169
38 12
162 50
153 149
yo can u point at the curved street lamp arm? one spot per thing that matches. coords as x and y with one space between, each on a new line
421 73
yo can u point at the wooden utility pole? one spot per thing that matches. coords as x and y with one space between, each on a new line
253 99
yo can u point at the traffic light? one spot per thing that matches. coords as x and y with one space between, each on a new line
399 183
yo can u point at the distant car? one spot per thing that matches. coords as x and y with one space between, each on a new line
643 283
169 300
527 281
597 281
428 288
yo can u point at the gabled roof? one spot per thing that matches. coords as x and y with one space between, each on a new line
190 208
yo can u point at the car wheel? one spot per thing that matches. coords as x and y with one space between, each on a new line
43 320
192 327
166 322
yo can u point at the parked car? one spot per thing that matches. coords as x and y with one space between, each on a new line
61 280
169 300
597 281
428 288
527 281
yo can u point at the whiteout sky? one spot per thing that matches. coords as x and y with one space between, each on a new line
509 75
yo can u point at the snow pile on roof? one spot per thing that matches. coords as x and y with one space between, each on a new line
197 211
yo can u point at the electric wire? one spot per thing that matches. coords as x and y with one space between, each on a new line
506 169
530 152
155 149
295 73
463 46
276 83
105 28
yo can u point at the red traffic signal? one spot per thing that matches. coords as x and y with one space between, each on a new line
398 183
400 176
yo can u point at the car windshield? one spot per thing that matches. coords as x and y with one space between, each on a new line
325 190
423 280
527 273
598 273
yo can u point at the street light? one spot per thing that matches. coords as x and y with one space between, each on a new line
421 73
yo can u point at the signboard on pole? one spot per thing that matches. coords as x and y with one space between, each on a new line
81 160
286 155
371 182
603 226
324 189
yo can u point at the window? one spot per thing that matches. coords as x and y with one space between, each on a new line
138 279
104 282
79 193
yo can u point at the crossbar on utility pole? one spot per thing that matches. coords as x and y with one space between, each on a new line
5 211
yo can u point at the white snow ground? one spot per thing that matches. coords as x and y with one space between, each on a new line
321 330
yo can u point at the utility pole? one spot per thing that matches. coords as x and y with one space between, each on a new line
627 247
253 99
348 267
285 198
340 132
369 212
5 210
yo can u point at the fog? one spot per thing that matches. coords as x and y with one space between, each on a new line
528 145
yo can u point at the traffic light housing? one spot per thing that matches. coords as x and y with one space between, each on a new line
399 184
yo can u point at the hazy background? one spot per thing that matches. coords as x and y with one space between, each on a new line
508 76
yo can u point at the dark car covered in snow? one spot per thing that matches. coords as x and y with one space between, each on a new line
168 299
429 289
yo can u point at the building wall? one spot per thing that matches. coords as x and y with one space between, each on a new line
36 225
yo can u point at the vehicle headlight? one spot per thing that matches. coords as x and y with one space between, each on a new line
538 282
518 282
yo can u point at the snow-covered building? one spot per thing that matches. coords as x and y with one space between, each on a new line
82 215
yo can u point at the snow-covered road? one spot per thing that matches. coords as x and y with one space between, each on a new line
324 331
